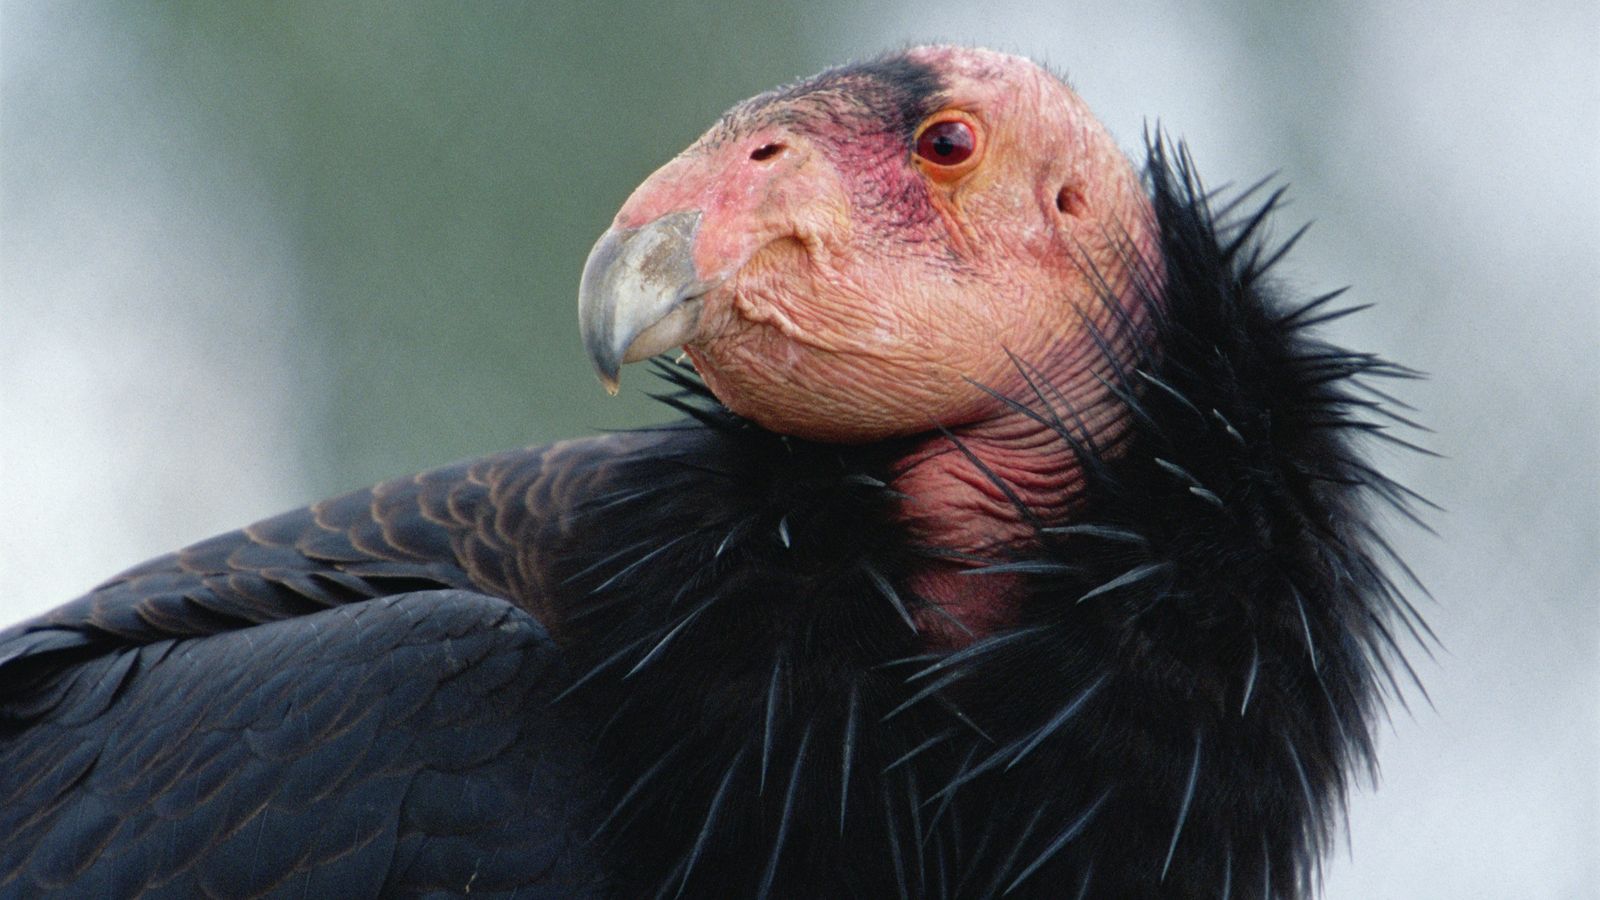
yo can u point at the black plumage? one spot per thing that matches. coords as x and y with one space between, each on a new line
361 697
404 743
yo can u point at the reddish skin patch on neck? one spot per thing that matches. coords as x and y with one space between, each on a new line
861 295
953 503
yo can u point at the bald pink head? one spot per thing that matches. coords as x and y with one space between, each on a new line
851 289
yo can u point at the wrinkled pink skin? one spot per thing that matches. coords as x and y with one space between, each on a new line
843 320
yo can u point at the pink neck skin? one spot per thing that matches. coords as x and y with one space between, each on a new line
953 506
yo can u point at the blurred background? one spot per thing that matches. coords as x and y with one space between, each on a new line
255 254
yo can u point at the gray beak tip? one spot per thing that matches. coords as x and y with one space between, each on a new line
639 295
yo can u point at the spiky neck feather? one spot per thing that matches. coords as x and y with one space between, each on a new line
1173 710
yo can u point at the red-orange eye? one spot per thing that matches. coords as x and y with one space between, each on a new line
947 143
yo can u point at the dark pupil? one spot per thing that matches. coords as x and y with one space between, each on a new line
943 144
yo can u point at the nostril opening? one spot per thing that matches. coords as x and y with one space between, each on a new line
1069 202
766 152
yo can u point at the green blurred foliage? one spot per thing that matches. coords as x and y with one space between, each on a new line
446 169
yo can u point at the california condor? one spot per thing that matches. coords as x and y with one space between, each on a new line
1017 540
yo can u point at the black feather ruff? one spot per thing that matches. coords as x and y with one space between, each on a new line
1202 654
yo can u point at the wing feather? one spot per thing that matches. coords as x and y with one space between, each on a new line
375 746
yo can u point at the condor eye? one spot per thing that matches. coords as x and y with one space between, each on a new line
948 146
947 143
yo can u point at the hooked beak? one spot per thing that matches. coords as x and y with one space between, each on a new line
640 295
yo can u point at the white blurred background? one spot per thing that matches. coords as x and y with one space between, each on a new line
252 255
